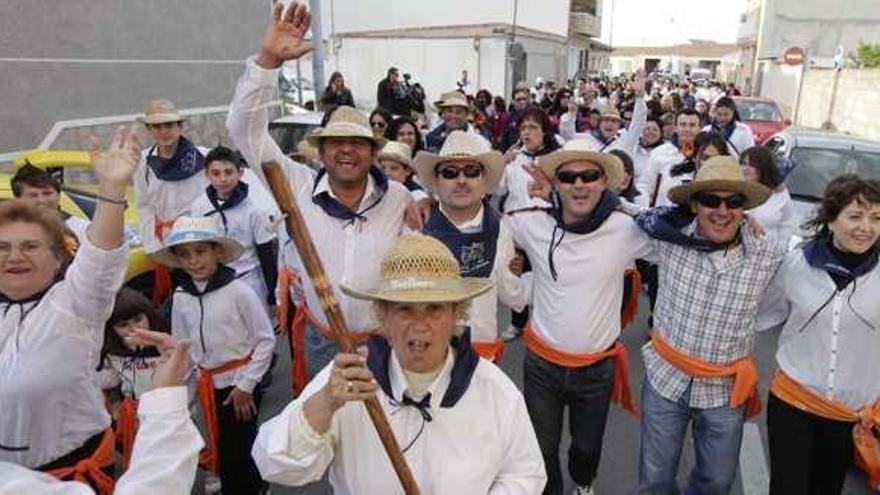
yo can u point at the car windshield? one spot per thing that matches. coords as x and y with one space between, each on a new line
758 110
813 168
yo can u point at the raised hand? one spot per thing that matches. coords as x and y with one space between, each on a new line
638 83
283 39
540 186
115 166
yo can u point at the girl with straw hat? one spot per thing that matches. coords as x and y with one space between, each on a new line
460 421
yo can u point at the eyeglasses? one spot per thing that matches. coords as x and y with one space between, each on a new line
708 200
586 176
470 171
26 248
378 123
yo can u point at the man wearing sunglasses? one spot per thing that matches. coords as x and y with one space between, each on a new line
461 176
579 250
712 276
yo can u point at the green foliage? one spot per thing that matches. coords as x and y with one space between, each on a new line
868 55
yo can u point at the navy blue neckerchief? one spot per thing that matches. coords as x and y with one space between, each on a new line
466 360
475 251
820 254
186 162
434 140
604 208
651 146
411 185
665 223
543 150
334 208
597 133
724 131
239 194
221 278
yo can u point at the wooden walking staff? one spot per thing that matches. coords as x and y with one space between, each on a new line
296 227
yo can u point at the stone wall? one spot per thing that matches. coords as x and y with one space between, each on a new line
856 108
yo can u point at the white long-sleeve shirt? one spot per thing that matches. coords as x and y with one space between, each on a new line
515 183
163 461
626 140
776 215
484 444
662 160
50 399
223 325
740 140
646 168
350 250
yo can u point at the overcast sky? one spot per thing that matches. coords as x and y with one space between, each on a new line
665 22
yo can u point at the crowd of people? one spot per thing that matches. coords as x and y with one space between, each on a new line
563 206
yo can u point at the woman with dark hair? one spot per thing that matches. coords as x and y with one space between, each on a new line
336 94
725 121
825 395
406 130
776 214
626 189
380 119
702 107
560 107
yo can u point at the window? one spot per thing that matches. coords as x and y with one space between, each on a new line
813 168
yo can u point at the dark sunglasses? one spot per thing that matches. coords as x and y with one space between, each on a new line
586 176
734 202
469 171
378 123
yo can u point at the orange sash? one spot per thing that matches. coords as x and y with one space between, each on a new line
490 350
620 391
867 447
210 457
126 428
89 471
631 305
161 227
744 372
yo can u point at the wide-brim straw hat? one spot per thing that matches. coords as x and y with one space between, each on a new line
346 122
452 99
461 147
196 229
420 269
580 150
721 173
610 113
397 152
160 111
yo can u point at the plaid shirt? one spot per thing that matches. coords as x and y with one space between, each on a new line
707 308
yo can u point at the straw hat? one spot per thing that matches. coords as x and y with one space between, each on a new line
421 269
721 173
459 147
578 150
160 111
196 229
397 152
610 113
345 122
452 99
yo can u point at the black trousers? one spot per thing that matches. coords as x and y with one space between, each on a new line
809 455
238 473
520 319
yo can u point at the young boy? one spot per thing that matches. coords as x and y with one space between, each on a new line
227 198
39 187
232 343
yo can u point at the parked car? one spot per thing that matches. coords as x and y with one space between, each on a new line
761 114
810 158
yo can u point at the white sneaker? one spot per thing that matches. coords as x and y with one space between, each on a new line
584 490
212 484
511 333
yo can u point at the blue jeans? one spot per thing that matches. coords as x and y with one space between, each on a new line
548 389
717 436
320 351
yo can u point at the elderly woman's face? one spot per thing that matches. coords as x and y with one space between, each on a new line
419 333
857 227
28 264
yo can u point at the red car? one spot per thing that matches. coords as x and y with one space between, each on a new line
761 114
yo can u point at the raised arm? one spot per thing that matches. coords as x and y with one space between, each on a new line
630 140
114 169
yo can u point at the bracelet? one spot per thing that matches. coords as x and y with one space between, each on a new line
123 201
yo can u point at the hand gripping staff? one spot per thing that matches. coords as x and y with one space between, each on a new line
299 233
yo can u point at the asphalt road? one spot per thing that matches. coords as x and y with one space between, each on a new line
618 472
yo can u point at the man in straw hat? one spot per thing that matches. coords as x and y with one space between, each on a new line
461 176
454 109
233 341
352 210
579 250
713 273
460 420
609 135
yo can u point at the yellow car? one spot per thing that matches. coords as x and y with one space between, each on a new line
77 199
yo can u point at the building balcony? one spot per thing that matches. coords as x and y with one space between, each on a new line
585 24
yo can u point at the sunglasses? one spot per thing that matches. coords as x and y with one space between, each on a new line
734 202
469 171
586 176
378 123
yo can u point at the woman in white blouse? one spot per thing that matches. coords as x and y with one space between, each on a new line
825 294
776 214
52 325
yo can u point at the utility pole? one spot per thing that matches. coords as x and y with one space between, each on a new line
318 54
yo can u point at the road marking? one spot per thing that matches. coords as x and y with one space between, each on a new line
753 462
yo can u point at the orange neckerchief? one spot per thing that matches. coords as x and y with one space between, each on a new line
867 448
744 372
621 393
89 471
